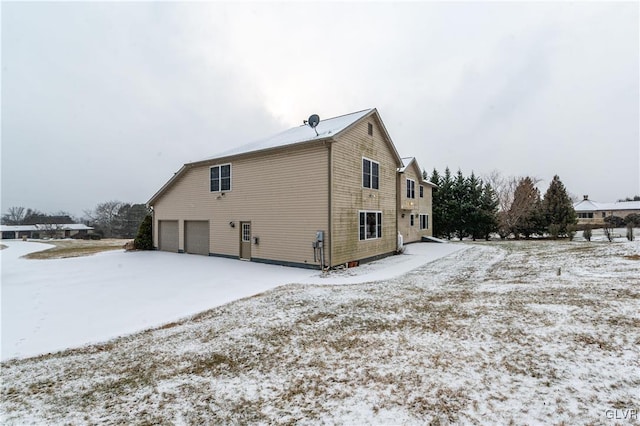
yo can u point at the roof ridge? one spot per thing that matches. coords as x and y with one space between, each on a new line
333 118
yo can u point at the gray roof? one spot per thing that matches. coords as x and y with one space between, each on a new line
406 161
44 227
304 133
327 130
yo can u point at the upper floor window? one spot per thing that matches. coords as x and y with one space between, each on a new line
370 129
221 178
370 174
421 191
411 188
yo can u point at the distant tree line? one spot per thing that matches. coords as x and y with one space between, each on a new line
116 219
26 216
111 219
473 207
635 198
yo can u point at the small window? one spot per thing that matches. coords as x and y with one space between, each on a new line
604 214
246 232
411 220
411 188
370 129
370 225
424 221
220 178
421 191
370 174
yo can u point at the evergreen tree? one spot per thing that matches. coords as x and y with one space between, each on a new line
488 217
461 212
526 209
447 206
144 239
475 215
436 204
557 208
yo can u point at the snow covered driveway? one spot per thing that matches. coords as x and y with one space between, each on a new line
52 305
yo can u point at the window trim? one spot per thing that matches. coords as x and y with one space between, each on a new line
411 189
426 221
362 236
219 167
371 163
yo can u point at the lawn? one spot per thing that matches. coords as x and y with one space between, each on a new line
64 249
509 332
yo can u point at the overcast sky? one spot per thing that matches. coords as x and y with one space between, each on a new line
104 101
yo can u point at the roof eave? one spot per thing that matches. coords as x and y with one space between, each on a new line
228 158
168 184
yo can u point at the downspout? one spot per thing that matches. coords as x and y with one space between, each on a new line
398 205
330 203
154 228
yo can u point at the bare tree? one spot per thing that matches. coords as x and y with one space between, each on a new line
104 216
51 230
14 216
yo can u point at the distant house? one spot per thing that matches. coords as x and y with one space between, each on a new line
310 197
593 212
50 230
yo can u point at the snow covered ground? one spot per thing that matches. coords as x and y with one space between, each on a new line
517 332
52 305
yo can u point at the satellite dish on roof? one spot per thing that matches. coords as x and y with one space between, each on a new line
313 121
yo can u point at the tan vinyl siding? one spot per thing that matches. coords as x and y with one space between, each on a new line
283 194
349 196
413 206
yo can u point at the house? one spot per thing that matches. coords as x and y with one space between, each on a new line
593 212
314 197
50 230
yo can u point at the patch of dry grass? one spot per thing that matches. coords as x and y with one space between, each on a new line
2 247
76 248
491 333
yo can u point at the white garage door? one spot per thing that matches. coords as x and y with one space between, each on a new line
196 237
168 235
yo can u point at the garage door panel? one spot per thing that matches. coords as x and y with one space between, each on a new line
196 237
168 235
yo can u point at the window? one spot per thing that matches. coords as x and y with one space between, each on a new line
585 215
221 178
370 129
411 188
246 232
604 214
411 220
370 174
421 191
370 225
424 221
